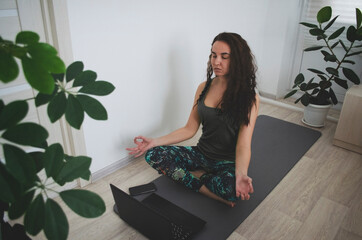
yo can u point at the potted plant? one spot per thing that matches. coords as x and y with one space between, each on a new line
66 92
317 93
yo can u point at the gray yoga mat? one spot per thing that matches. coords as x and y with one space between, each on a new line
277 146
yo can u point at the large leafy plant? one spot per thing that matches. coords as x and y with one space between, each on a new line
320 92
66 92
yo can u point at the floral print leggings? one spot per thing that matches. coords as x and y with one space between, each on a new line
176 162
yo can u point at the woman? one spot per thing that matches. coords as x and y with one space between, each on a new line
227 107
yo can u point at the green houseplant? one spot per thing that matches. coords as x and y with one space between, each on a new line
66 92
318 90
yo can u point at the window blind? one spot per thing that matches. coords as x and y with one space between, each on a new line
346 11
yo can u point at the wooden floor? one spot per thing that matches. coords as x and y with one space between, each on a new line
320 198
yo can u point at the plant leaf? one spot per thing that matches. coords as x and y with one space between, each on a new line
86 175
73 169
337 33
299 79
99 88
310 25
74 113
315 91
313 48
29 134
332 71
344 46
93 107
74 70
352 34
303 87
19 206
38 160
325 53
38 77
85 203
13 113
9 68
316 32
27 37
334 45
42 98
53 160
333 96
58 76
34 216
84 78
330 58
290 94
330 23
359 34
305 99
324 15
341 82
322 36
351 75
323 97
37 50
19 164
8 185
57 106
358 17
315 71
56 224
325 84
354 53
2 105
322 77
349 61
46 56
312 86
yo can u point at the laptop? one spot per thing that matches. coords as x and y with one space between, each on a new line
156 217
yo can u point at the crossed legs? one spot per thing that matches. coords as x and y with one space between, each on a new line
188 166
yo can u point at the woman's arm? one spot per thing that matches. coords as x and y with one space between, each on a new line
243 153
179 135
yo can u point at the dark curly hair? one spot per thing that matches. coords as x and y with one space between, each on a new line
239 96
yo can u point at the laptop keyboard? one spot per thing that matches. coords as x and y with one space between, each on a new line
178 232
176 215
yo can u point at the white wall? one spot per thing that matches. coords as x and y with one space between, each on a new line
279 36
155 53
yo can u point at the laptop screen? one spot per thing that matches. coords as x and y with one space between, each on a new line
140 217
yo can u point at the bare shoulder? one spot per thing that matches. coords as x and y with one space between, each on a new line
202 85
257 100
200 88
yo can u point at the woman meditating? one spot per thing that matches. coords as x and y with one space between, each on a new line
227 107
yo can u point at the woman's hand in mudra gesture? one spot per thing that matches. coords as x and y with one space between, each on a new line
243 187
143 144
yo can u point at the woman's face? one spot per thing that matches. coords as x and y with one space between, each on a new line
220 58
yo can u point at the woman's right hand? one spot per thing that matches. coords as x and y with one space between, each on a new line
143 144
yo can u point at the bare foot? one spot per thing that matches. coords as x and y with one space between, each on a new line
198 173
204 190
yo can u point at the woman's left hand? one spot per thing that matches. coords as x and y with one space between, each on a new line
243 187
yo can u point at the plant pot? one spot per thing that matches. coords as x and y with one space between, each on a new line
315 115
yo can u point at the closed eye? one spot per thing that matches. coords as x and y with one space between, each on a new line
223 55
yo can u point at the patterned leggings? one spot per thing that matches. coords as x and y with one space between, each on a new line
176 162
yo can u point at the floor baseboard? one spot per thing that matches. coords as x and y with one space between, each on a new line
111 168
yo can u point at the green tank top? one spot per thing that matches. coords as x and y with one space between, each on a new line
218 139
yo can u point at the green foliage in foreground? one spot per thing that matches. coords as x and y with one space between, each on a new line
66 92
